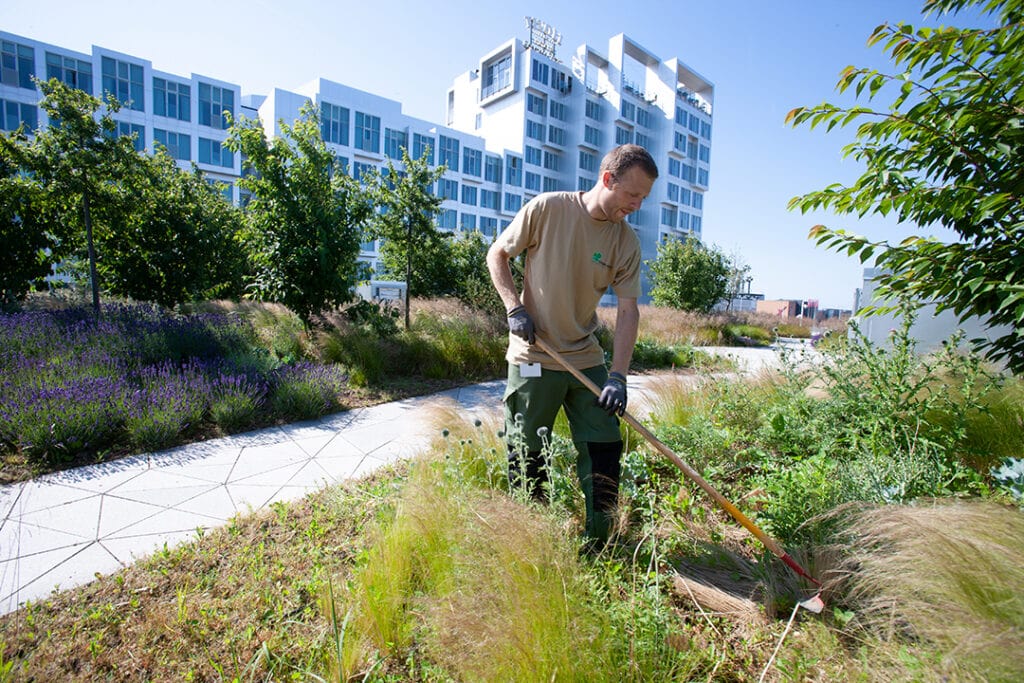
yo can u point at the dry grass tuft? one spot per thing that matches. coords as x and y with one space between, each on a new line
948 573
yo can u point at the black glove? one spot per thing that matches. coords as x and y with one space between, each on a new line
613 396
521 324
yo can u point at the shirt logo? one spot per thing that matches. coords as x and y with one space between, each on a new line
597 259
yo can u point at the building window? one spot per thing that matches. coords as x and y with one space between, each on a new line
367 136
76 73
684 196
673 192
18 65
334 123
628 110
446 219
695 222
533 155
552 161
213 152
468 195
423 144
17 113
643 117
359 169
558 111
560 81
449 189
592 136
178 145
702 177
556 135
584 183
489 200
679 142
674 166
540 71
684 220
704 154
691 148
623 136
698 200
472 161
513 171
643 140
694 124
492 168
449 153
550 184
705 130
513 202
216 106
497 76
668 216
125 129
123 80
593 110
535 104
394 142
488 225
173 100
468 221
535 130
533 181
680 116
588 161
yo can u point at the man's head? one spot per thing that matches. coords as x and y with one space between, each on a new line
626 177
625 157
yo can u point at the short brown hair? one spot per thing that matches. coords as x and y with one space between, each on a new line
625 157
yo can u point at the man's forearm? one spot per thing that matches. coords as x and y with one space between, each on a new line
501 276
627 323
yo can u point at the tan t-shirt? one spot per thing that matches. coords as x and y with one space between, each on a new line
571 260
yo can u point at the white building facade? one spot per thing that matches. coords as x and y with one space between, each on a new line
181 113
519 123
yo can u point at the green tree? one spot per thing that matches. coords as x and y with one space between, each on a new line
413 247
178 243
78 160
23 225
468 266
304 223
689 275
948 149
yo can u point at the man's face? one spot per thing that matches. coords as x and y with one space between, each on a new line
626 193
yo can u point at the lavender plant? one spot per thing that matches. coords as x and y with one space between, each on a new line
304 391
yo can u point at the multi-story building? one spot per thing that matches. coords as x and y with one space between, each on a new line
564 119
184 114
518 124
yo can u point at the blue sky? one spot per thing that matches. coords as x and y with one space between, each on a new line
763 57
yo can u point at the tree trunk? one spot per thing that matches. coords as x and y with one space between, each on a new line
93 279
408 268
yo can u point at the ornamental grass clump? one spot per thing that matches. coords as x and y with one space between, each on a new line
943 576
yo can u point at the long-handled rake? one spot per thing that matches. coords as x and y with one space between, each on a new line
813 604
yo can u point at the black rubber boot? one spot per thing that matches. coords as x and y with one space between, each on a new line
536 474
605 467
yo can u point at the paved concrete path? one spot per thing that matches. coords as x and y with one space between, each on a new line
62 529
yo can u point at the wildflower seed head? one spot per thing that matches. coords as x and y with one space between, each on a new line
445 433
542 432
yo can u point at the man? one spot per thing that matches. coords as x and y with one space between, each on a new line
577 244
